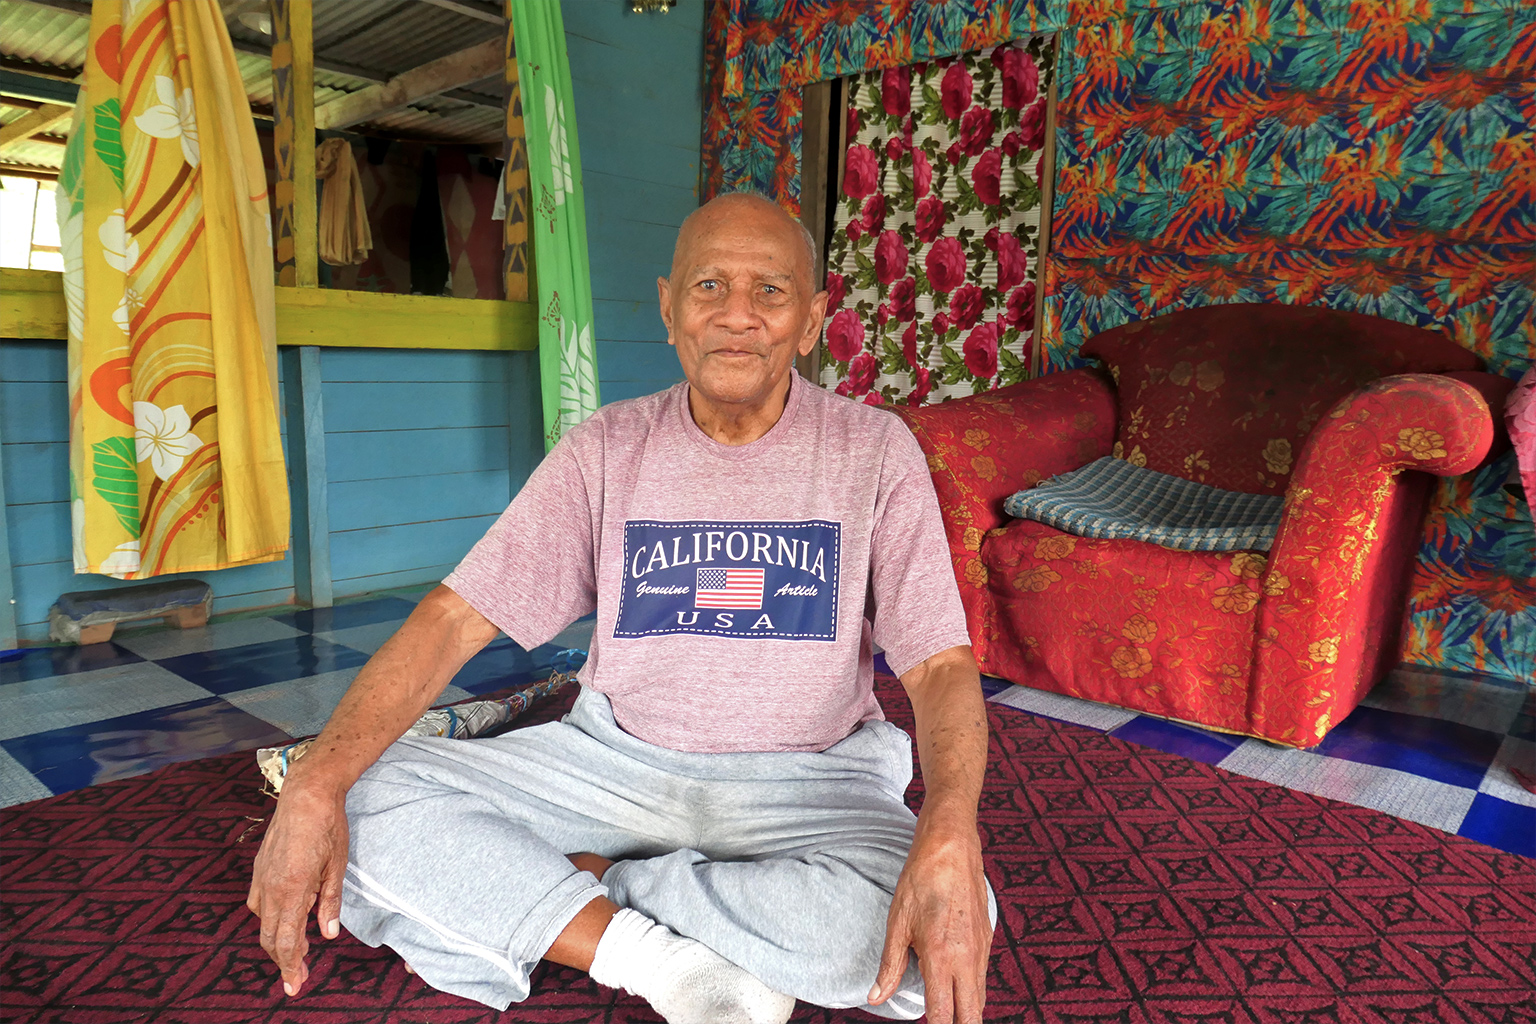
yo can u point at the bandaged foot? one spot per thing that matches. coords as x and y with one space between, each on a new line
683 980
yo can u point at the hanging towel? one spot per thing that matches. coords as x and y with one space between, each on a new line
344 234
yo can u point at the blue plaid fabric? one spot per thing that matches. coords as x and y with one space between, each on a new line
1112 499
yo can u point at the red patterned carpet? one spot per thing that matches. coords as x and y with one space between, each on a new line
1134 885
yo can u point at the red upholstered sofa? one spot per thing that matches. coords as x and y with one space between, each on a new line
1344 414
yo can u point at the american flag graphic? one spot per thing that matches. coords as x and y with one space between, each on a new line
729 588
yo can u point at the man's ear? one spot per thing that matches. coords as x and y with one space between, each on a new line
818 314
664 298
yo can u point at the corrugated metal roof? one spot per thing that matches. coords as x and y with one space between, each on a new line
409 35
43 35
357 43
42 155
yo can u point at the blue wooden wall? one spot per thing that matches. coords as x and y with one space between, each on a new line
417 455
423 449
638 81
34 456
420 452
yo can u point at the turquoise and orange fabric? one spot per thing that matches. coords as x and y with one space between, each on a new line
176 463
1377 156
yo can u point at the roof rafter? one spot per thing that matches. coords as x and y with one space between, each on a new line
469 10
430 79
34 122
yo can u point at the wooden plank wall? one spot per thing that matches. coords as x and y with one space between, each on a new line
637 80
417 454
34 422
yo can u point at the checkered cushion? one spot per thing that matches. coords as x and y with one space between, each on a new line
1112 499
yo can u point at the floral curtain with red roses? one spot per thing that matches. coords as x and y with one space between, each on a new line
931 268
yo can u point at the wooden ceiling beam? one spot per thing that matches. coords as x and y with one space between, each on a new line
439 76
470 10
35 122
42 82
28 171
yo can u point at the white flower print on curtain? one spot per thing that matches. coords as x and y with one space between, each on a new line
931 271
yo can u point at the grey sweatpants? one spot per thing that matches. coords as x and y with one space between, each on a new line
783 863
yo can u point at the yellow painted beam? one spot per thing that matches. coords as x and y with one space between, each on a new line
324 316
32 306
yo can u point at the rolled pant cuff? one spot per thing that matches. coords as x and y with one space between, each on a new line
543 925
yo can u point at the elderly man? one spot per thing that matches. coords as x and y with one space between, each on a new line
717 826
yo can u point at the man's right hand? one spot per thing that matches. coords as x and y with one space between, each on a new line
303 857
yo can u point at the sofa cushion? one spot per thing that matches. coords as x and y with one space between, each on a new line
1226 395
1113 499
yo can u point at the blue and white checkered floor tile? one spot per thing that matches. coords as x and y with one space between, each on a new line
1451 751
73 716
1445 750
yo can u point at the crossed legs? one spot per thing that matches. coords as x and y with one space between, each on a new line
474 860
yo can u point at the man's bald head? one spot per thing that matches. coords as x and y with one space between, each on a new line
740 303
734 207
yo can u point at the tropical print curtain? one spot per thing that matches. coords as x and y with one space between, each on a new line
931 271
175 458
567 353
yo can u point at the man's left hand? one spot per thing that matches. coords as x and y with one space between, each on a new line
939 911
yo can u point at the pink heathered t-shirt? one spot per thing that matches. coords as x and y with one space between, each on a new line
737 588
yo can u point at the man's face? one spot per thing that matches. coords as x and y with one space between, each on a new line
740 303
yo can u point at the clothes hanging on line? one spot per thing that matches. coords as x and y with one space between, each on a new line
345 238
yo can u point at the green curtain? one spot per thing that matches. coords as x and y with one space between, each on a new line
567 353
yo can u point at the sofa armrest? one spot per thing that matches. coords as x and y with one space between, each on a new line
983 448
1495 391
1337 573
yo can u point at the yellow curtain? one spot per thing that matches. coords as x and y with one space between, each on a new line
175 460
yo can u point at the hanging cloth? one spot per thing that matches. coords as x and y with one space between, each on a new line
567 354
345 237
175 459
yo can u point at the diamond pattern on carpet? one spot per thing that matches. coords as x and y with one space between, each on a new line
1134 885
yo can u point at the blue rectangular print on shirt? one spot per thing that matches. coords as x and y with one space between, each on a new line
775 580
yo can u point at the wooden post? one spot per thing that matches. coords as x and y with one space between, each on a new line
815 137
525 415
1035 364
293 139
516 266
8 638
298 264
525 419
307 476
